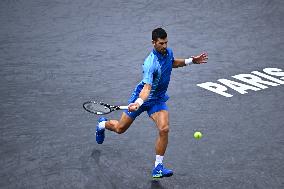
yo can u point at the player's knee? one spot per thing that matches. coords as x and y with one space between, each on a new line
164 130
120 130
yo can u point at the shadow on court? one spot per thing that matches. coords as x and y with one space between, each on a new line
156 185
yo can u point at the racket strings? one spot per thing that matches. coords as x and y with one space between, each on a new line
97 108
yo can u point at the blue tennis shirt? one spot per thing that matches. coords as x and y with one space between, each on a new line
157 70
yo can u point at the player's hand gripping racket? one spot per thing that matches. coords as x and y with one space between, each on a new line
101 108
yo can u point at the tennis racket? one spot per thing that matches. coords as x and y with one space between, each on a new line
101 108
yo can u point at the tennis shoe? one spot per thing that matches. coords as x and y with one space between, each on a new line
160 171
100 133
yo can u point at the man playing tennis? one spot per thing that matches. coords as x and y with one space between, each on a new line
150 95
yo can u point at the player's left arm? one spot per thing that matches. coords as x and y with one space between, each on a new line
199 59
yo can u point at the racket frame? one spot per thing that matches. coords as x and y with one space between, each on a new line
110 107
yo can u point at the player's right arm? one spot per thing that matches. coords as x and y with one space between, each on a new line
145 92
149 68
143 95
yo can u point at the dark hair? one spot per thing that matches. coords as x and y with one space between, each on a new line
158 33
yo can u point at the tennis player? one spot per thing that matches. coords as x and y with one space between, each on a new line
150 96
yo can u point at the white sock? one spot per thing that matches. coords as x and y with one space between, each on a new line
159 159
102 125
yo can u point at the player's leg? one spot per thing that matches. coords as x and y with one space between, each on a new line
113 125
119 126
161 120
159 114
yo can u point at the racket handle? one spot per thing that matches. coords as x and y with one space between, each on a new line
123 107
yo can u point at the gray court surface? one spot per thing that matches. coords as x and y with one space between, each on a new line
55 55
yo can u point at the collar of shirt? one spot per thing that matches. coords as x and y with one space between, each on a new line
160 55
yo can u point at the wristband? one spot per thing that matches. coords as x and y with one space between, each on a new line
140 101
188 61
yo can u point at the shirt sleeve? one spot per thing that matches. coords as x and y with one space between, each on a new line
148 72
171 54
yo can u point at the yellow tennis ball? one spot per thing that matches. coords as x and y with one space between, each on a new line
197 135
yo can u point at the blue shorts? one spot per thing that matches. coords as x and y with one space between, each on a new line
149 107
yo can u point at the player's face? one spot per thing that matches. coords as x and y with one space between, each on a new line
161 45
